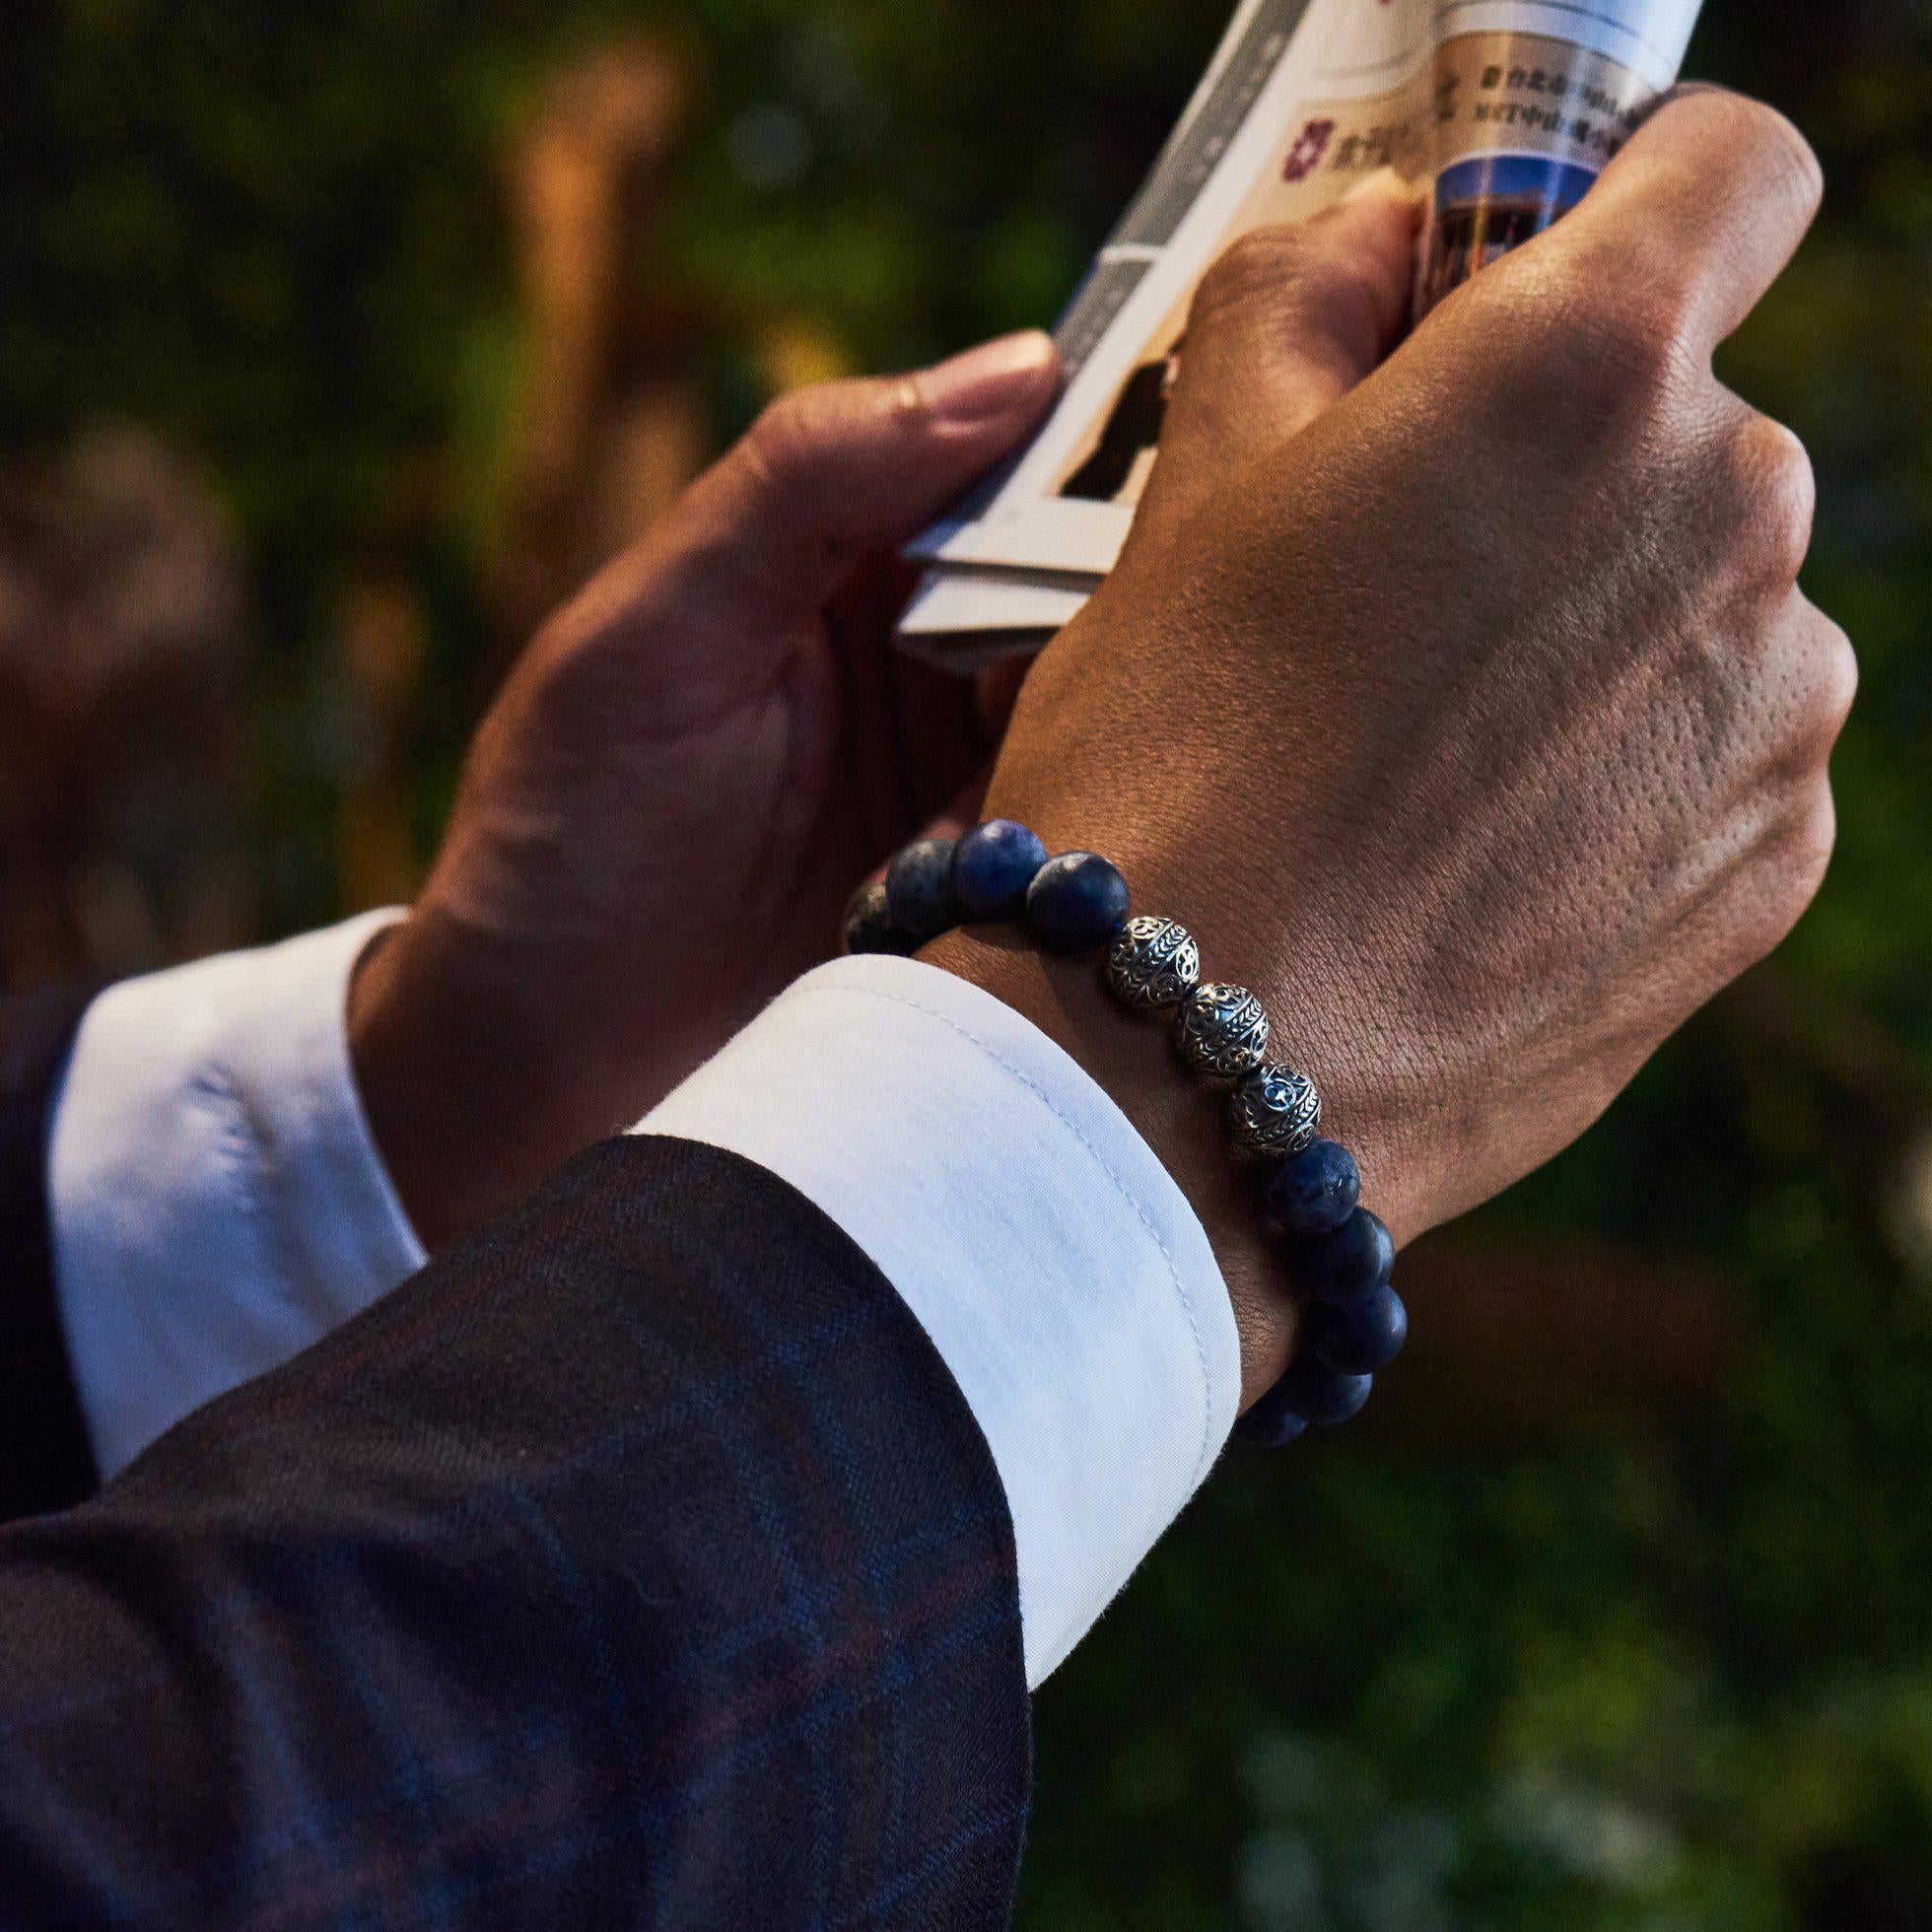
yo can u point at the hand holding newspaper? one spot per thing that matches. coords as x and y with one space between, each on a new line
1511 108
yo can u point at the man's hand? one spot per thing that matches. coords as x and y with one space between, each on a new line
678 789
1465 707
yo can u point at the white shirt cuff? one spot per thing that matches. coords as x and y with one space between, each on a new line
217 1199
1056 1265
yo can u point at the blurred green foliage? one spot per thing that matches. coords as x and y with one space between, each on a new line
1683 1680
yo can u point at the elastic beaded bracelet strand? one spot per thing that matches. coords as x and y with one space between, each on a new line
1337 1254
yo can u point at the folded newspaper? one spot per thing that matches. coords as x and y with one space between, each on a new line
1511 108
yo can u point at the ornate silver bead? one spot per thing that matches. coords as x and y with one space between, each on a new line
1222 1033
1273 1114
1153 964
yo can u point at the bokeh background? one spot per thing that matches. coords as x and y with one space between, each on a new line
337 340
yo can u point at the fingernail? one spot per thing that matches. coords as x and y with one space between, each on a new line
994 379
1385 185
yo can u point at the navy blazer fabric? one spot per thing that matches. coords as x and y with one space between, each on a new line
638 1564
45 1462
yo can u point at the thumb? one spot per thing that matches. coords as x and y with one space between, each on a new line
829 474
1290 320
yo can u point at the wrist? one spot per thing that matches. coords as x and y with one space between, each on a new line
1180 1121
469 1104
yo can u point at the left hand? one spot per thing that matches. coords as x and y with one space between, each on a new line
681 784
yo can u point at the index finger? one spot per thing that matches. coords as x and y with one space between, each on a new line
1706 204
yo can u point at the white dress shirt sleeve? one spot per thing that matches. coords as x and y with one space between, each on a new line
218 1204
1048 1254
215 1197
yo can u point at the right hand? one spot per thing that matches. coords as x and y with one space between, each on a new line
1467 707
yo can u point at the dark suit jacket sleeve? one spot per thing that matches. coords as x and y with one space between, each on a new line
637 1565
45 1462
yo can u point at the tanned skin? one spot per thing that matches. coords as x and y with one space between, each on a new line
1458 692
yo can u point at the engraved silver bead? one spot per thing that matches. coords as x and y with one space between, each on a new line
1153 964
1223 1032
1273 1114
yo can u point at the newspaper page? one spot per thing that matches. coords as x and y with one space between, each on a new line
1510 108
1531 100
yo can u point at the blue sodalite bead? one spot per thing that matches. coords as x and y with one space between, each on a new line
1360 1336
1271 1423
919 889
1357 1258
1077 902
1315 1192
1321 1397
869 926
993 868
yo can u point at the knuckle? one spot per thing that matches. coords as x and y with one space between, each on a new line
1291 290
1799 679
797 436
1773 491
1805 856
1827 688
1342 293
1839 682
1253 266
1818 839
1789 163
779 444
1772 150
1288 262
1792 863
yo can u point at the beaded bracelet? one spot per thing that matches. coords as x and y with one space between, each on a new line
1338 1254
